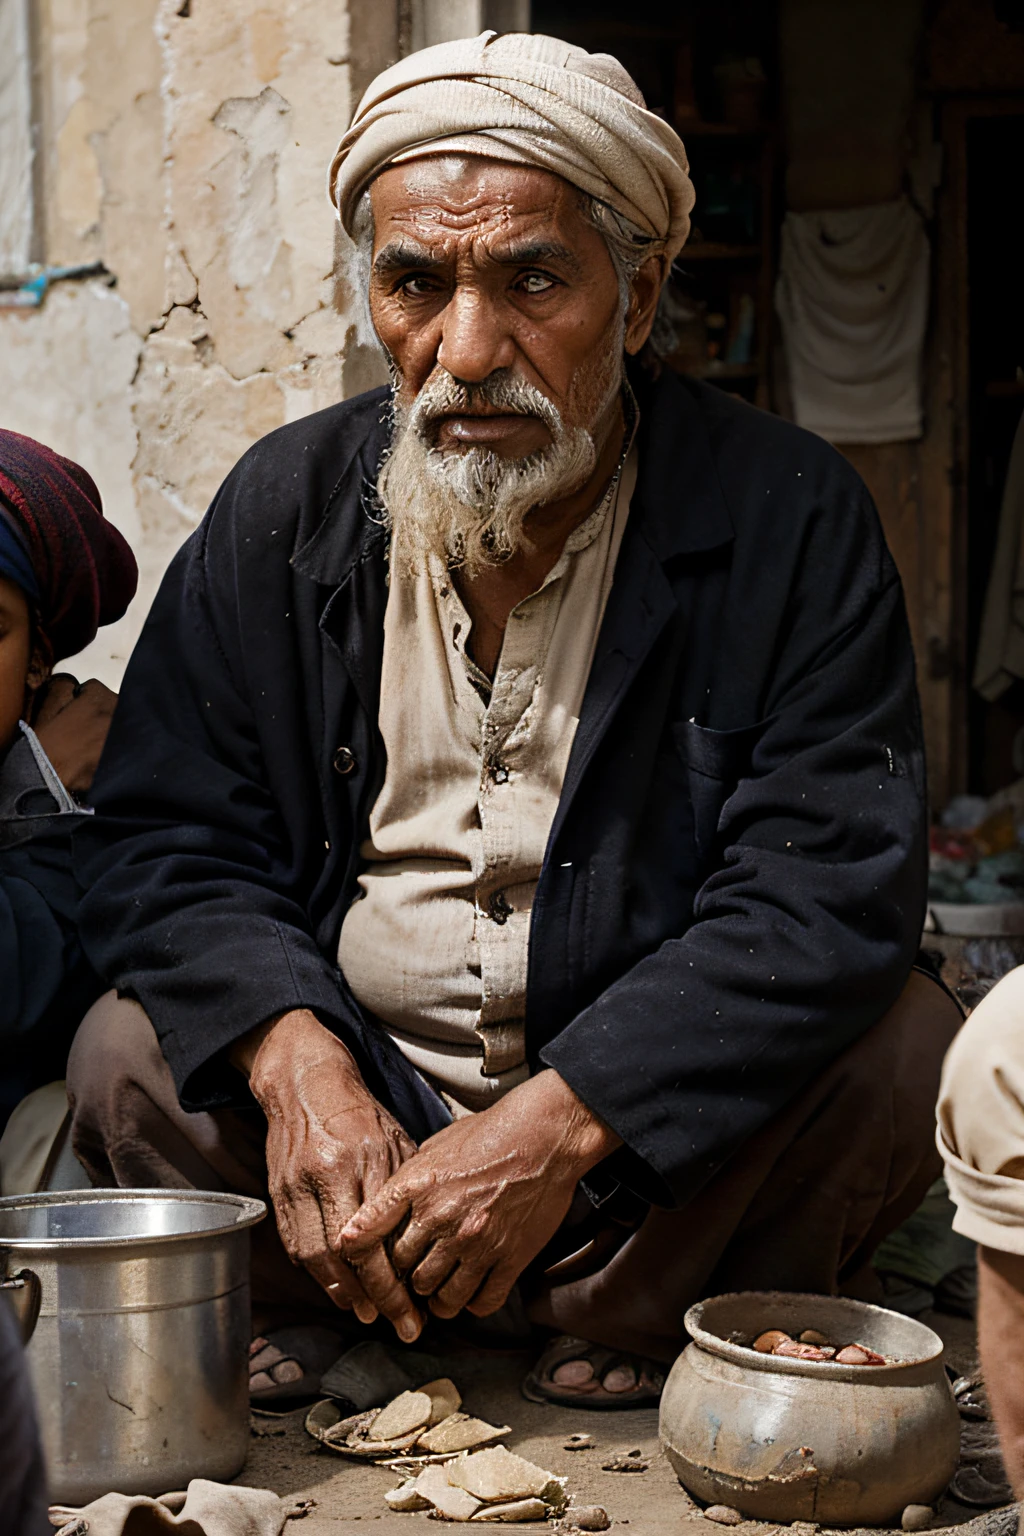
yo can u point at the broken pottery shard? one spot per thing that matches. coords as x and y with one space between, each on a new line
578 1442
405 1498
445 1399
812 1336
588 1517
723 1514
917 1517
459 1432
859 1354
767 1342
498 1475
324 1423
626 1461
520 1509
448 1502
408 1411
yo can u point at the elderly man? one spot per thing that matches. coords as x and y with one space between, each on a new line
517 790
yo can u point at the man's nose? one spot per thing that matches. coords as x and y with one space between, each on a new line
474 340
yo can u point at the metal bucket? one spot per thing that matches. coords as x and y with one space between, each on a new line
135 1304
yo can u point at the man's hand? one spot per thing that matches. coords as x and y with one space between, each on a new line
483 1197
330 1148
72 722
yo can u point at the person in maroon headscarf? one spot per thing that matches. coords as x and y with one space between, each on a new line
64 572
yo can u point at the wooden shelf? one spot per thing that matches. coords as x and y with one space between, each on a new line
716 250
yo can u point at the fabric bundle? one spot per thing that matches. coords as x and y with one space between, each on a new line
55 543
531 100
852 297
1000 656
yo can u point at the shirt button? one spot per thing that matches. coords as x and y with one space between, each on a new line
499 773
498 908
343 761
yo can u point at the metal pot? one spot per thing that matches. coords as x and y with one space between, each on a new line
783 1439
138 1353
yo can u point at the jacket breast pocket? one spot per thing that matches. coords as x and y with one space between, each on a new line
715 762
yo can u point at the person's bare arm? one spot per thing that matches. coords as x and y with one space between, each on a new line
330 1147
1001 1346
483 1196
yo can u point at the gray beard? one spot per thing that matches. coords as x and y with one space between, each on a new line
468 507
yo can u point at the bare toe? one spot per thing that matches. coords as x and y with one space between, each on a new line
573 1373
261 1382
264 1359
286 1372
622 1378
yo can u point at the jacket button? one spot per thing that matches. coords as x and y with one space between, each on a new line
343 761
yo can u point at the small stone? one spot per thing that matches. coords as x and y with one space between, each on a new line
859 1354
723 1514
790 1350
812 1336
459 1432
405 1497
520 1509
588 1517
445 1397
578 1442
917 1517
767 1342
408 1411
626 1461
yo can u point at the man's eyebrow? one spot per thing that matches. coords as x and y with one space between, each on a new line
533 253
399 256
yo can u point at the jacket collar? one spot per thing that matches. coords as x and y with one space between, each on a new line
679 506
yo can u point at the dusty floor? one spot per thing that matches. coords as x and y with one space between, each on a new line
651 1503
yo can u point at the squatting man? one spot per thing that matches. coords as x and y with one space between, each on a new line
509 847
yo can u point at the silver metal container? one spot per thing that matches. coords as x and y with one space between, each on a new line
138 1352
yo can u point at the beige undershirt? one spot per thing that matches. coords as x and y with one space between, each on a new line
436 946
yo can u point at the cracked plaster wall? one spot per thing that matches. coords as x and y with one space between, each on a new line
184 143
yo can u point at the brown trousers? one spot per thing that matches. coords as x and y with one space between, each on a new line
801 1207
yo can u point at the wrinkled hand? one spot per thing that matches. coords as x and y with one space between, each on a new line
483 1196
330 1148
72 722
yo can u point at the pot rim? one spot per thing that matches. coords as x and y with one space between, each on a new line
828 1370
247 1211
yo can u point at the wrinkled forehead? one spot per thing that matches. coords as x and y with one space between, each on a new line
455 199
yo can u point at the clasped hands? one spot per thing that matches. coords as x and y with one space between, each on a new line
383 1225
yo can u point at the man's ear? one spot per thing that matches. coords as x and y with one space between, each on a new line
643 303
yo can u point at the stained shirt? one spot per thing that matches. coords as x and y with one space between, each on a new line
436 946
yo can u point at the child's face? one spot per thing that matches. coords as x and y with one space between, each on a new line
15 657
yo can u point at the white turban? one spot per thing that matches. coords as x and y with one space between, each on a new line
532 100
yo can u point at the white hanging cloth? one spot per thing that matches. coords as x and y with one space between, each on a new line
852 297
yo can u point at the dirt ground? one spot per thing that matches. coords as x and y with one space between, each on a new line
283 1457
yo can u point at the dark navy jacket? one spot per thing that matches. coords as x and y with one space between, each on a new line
47 984
734 883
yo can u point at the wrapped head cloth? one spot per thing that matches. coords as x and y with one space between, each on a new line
76 569
530 100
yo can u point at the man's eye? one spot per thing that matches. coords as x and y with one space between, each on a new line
535 282
417 287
